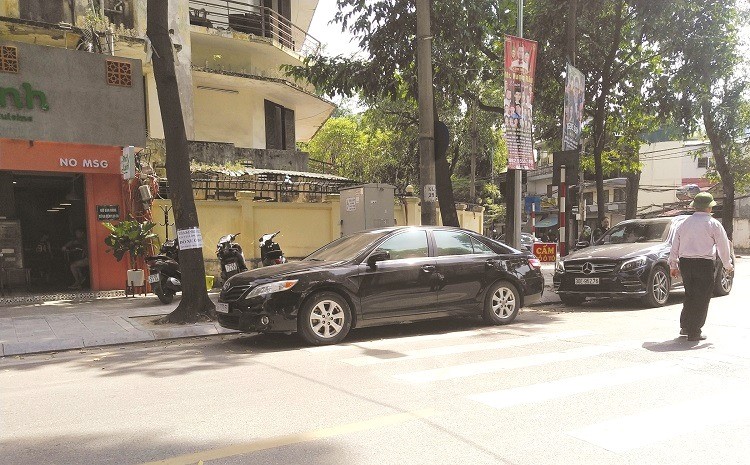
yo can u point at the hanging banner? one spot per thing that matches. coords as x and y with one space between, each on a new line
573 112
520 66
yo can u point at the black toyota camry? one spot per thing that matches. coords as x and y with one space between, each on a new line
383 276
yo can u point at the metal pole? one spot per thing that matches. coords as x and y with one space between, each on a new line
426 115
516 174
581 200
562 192
533 219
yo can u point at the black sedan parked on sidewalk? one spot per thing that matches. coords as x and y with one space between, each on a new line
383 276
629 260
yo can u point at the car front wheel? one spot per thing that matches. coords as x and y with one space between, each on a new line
325 318
657 287
501 304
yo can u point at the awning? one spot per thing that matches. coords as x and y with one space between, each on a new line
547 222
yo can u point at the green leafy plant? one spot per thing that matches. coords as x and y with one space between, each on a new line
130 237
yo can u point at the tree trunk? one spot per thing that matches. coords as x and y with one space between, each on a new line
195 299
631 195
443 184
722 166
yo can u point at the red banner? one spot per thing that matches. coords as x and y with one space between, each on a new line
545 251
520 67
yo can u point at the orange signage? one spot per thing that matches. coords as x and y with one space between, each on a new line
545 251
22 155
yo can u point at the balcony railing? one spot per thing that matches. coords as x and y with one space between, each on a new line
252 19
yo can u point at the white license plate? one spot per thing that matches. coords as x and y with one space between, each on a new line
222 307
587 281
153 278
230 267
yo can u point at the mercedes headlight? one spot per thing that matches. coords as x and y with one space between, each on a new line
560 266
271 288
633 263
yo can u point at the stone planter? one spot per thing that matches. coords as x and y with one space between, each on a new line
461 206
477 208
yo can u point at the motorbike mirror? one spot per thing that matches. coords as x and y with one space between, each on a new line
378 255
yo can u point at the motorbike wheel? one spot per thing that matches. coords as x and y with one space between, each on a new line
165 297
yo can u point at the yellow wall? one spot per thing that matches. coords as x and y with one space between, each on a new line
304 226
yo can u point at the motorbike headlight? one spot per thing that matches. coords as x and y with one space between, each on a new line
633 263
271 288
560 266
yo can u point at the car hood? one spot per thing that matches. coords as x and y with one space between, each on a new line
616 251
277 271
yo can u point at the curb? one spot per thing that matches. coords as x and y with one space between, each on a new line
140 335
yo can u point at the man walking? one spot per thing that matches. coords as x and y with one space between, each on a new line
695 244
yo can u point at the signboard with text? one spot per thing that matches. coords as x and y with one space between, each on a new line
107 212
545 251
520 66
573 109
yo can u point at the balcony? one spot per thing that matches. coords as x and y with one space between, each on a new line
257 21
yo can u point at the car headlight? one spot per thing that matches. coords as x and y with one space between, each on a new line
560 266
633 263
270 288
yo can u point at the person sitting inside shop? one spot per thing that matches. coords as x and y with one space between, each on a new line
76 252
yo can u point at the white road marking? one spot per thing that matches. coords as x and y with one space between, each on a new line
462 348
557 389
491 366
663 423
408 339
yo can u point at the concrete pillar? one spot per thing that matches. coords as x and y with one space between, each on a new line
413 211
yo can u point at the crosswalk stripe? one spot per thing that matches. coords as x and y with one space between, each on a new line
418 338
491 366
664 423
557 389
393 356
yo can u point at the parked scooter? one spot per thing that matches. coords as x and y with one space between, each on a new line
231 259
270 251
164 271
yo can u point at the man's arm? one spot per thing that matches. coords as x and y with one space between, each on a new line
674 254
722 246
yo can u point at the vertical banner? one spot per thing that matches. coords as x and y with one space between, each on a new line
520 66
573 112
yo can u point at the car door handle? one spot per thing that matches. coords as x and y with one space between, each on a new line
428 268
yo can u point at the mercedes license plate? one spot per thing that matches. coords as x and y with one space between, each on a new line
586 281
222 307
153 278
230 267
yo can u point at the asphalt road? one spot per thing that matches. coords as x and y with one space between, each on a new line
608 383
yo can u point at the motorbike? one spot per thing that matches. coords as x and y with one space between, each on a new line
231 259
164 271
270 251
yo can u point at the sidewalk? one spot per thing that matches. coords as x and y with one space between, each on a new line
52 326
64 325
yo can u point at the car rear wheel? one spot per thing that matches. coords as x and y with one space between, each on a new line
572 300
657 287
501 304
724 281
325 318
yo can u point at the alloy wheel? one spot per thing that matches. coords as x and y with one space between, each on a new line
327 319
660 286
726 281
503 302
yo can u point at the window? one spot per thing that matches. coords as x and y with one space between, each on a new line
8 59
119 73
280 131
703 162
452 243
411 244
588 197
480 247
619 195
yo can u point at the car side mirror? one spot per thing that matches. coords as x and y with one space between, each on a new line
378 256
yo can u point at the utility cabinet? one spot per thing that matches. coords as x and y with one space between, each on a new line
366 206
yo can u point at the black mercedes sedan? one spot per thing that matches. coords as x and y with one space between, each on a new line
629 260
383 276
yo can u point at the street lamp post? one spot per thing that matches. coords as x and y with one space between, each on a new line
426 114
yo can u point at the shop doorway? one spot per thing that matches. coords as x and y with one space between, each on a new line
50 209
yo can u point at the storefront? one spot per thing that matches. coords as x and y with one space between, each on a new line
65 117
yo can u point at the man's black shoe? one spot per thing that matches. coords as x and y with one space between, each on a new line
696 337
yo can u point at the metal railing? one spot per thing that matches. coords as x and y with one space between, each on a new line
255 20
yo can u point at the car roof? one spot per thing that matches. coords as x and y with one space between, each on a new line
660 219
400 228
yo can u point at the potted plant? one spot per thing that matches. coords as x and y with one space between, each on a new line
134 238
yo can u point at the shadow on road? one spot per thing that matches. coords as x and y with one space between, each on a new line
678 344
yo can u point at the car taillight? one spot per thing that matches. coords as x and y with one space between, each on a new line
535 263
278 261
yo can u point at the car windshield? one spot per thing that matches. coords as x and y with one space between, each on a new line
633 232
346 247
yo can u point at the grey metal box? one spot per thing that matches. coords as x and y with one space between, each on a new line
366 206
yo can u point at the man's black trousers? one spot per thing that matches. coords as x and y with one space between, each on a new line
698 278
